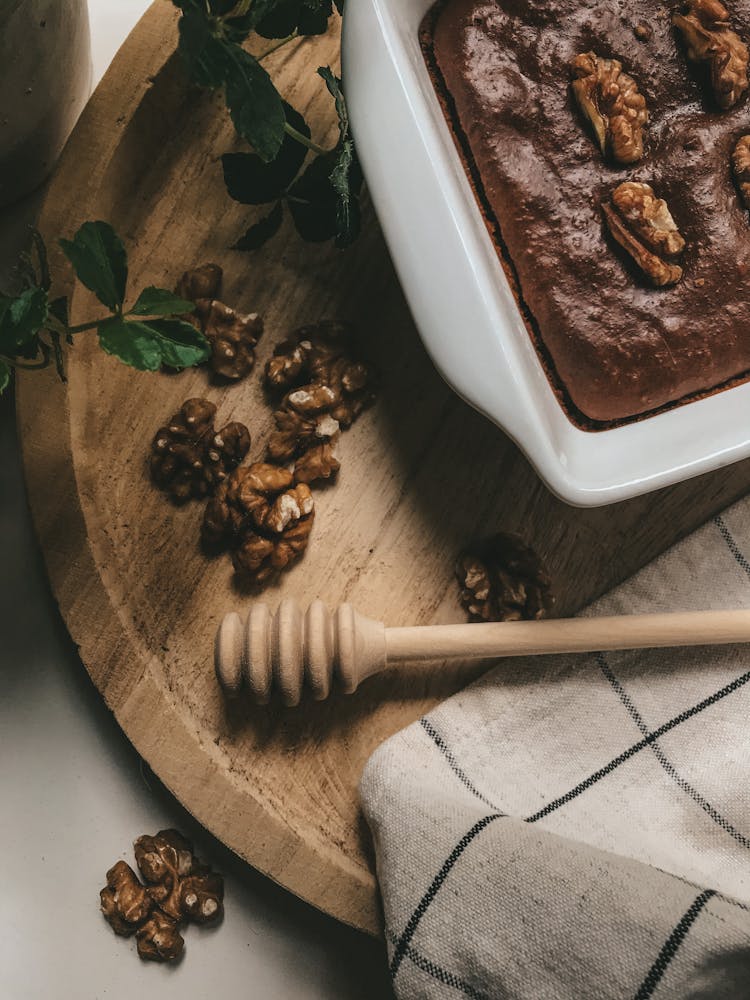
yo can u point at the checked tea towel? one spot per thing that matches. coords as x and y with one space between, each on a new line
578 827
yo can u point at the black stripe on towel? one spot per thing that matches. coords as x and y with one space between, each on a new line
437 972
665 762
671 946
728 689
408 933
446 751
732 545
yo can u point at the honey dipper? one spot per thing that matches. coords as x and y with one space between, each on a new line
291 650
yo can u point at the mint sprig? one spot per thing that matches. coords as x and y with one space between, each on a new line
150 334
322 195
322 199
100 261
210 43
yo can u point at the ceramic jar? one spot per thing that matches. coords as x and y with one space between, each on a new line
45 78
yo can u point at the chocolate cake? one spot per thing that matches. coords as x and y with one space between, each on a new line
638 298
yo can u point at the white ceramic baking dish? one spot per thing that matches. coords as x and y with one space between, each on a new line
460 298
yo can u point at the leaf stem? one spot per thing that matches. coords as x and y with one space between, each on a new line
277 45
29 365
299 137
81 328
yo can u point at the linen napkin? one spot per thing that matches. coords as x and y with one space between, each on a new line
579 826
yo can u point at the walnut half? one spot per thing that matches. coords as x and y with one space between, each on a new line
643 226
611 101
741 165
263 517
502 579
709 39
189 457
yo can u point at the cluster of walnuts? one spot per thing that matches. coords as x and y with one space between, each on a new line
610 100
179 888
261 513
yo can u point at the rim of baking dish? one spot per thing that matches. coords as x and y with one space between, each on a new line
459 294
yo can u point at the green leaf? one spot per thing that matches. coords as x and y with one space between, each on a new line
148 345
280 19
160 302
4 377
250 181
237 29
21 319
98 256
313 202
254 104
346 174
333 83
346 181
133 343
313 17
204 54
182 345
262 231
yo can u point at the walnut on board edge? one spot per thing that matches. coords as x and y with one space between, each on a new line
709 39
611 101
189 457
741 167
502 579
643 226
262 517
179 889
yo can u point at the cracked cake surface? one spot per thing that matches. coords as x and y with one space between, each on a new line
615 347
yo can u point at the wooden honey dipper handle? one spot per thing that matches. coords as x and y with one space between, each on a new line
290 650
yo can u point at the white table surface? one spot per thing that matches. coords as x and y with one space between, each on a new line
74 794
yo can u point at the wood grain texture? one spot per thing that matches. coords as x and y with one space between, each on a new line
421 475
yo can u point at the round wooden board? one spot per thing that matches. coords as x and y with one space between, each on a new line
421 475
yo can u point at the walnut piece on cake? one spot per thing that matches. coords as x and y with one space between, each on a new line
649 217
709 39
741 166
643 226
611 101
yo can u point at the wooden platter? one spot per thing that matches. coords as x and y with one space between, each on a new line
421 475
